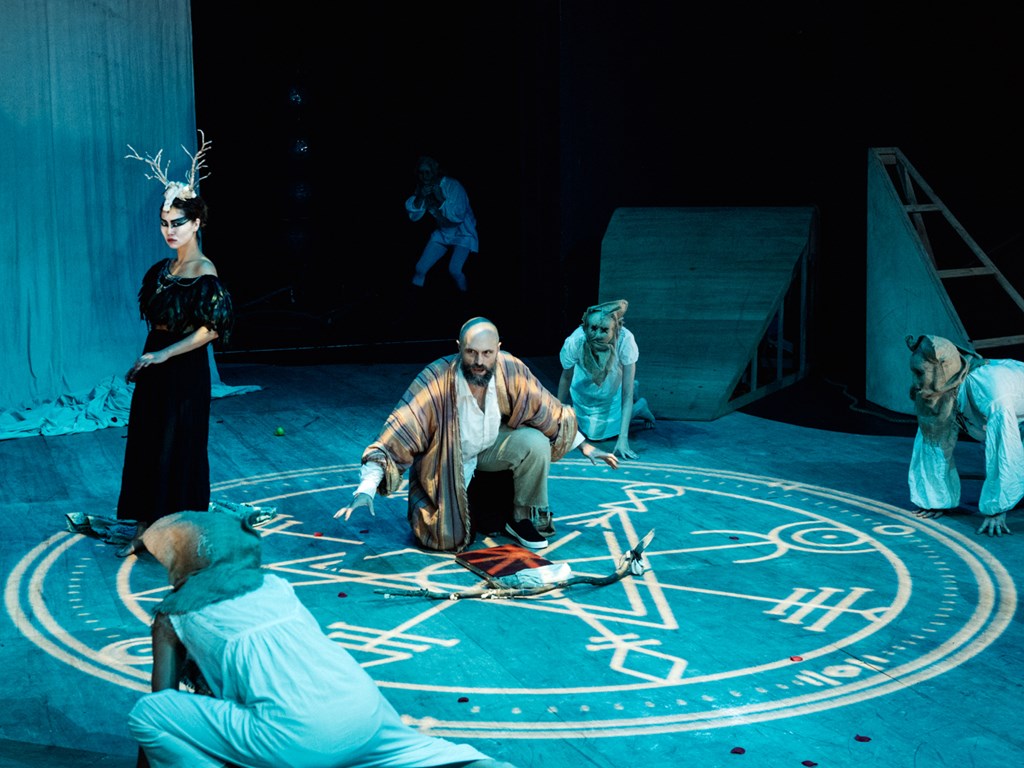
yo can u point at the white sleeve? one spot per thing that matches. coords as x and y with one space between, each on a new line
410 207
455 207
1004 464
577 441
934 482
370 475
569 355
628 352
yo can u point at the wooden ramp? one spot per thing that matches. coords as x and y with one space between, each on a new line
718 300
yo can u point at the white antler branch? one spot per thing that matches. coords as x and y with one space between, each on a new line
198 161
159 173
175 190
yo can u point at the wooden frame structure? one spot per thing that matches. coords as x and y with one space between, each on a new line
926 275
919 201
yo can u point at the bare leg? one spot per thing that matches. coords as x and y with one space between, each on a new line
642 411
458 260
432 254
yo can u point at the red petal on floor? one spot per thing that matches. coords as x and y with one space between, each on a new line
318 533
858 737
342 594
737 750
796 658
463 699
808 763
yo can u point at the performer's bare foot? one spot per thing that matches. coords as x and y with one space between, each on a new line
642 412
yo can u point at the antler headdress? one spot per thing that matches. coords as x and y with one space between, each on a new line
176 189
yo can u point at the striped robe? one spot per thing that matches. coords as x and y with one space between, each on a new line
422 432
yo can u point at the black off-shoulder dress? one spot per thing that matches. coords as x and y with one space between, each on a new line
166 464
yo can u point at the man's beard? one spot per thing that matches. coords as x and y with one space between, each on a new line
477 379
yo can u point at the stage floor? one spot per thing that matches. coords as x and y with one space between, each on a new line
795 612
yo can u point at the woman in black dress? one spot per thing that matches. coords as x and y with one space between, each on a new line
166 465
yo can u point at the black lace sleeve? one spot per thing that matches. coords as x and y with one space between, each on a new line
213 307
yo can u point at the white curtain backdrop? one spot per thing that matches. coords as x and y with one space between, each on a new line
79 81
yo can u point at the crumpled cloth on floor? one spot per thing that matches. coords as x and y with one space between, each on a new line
108 404
120 532
109 529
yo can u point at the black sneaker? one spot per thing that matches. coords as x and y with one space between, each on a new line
526 534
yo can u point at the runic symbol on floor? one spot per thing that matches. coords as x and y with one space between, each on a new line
834 674
390 646
629 646
818 603
639 495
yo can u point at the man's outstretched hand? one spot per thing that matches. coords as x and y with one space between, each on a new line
995 525
360 501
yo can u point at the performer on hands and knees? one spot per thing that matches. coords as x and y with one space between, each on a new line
598 376
954 389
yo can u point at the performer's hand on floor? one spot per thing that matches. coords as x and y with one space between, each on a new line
995 525
622 446
361 500
930 513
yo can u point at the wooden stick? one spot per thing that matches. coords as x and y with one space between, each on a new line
624 568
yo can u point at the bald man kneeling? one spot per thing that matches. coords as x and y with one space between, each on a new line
479 410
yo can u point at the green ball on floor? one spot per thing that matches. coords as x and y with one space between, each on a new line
279 431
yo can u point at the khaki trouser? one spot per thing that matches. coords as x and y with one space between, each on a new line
527 452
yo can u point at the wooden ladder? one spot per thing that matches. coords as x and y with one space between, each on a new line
956 256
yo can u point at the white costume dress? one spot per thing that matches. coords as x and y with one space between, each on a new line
285 696
991 407
598 408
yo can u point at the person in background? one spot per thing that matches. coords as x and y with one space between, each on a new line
446 201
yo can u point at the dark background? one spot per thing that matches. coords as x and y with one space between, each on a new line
554 114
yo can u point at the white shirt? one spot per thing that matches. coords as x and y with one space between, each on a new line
478 429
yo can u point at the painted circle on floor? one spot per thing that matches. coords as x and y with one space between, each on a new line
764 599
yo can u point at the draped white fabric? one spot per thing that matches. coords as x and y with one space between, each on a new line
81 81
